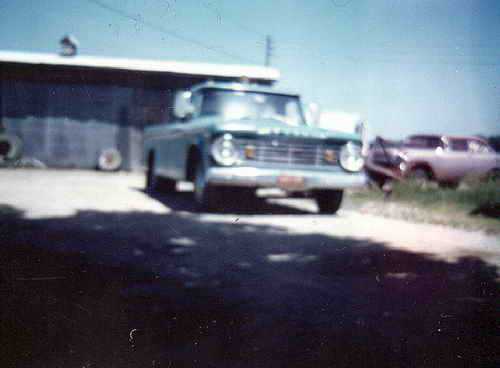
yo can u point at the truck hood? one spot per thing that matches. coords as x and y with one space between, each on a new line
277 127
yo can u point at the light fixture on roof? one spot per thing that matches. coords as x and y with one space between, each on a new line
69 45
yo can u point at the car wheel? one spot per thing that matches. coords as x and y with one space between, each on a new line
328 201
205 195
421 177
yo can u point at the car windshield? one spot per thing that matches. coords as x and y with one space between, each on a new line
252 105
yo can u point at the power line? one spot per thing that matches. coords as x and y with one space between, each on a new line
167 32
264 39
228 19
372 57
424 62
340 4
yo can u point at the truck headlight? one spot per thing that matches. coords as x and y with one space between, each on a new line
351 158
224 151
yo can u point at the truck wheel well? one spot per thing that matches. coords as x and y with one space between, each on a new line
192 158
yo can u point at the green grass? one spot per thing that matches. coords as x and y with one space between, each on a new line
432 204
469 197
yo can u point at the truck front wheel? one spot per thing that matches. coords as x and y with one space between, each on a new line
205 194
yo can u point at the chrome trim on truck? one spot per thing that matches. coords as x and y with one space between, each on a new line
267 178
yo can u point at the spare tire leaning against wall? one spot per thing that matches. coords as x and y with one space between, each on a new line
109 159
11 148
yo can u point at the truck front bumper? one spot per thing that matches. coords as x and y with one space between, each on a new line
269 178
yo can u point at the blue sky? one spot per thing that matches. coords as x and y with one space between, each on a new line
405 66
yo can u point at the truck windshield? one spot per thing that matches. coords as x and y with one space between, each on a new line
251 105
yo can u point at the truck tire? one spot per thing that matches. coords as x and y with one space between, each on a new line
328 201
11 148
155 183
109 159
206 196
151 178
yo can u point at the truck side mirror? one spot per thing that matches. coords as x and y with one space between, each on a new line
362 131
313 112
183 108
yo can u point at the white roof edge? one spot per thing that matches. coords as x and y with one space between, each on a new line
160 66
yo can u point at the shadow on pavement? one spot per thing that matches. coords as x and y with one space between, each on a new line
138 289
249 205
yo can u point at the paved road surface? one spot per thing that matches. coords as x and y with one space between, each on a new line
98 273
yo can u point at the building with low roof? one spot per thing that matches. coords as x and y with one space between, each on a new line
67 110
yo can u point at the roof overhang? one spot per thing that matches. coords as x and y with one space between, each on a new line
243 87
252 72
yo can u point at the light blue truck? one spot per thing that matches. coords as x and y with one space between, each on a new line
230 139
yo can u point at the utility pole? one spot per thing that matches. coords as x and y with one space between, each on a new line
269 50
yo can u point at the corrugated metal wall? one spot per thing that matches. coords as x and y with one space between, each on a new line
69 125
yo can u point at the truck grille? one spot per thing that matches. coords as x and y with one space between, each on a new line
287 152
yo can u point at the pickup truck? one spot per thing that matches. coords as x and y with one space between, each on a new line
230 139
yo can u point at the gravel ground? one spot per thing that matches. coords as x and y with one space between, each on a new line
99 273
49 194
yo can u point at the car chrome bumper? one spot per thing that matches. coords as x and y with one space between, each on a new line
268 178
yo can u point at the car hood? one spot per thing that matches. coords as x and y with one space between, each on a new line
277 127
